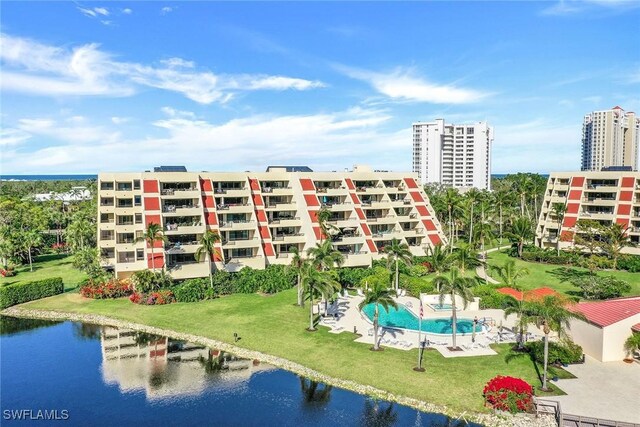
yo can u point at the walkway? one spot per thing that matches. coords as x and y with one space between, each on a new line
609 390
482 273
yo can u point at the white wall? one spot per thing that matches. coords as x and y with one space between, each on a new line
588 336
614 337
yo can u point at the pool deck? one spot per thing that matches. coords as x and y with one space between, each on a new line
349 318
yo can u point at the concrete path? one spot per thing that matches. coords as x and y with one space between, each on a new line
609 390
482 273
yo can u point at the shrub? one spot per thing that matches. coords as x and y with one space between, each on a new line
146 280
351 276
416 285
223 282
509 394
272 279
630 263
192 290
59 248
29 291
559 352
489 297
153 298
600 287
113 288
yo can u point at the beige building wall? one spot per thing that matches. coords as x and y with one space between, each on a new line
607 197
614 337
589 336
260 216
610 138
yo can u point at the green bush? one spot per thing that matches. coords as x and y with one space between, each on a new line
147 280
222 283
416 285
351 276
29 291
274 278
630 263
192 290
596 287
489 296
559 352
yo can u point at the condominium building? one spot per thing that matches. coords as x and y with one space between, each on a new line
606 197
453 155
610 138
260 216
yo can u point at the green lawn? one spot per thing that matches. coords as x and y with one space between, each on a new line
46 266
541 274
274 325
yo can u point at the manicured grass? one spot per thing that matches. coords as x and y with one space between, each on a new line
46 266
274 325
542 275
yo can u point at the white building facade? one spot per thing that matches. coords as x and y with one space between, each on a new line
453 155
610 138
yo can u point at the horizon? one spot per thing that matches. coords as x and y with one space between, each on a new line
115 86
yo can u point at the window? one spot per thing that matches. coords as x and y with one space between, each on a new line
137 200
139 254
138 218
136 184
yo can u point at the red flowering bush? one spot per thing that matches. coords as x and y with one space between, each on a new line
7 272
153 298
509 394
59 247
113 288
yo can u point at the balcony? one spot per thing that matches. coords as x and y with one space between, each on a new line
290 238
183 210
236 207
184 193
174 229
241 243
282 206
290 221
182 247
238 225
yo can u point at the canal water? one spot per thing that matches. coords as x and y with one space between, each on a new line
68 373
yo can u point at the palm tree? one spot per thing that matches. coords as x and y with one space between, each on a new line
616 237
500 200
208 248
438 259
453 201
473 196
482 233
30 240
316 281
465 257
325 256
521 184
297 261
78 230
151 235
550 313
509 273
454 285
515 306
397 252
326 229
379 295
520 233
632 344
559 209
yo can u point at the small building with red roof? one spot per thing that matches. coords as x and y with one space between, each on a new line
606 327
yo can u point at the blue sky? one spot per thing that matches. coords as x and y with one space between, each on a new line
125 86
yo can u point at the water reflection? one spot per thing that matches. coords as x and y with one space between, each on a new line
163 367
14 325
314 394
378 414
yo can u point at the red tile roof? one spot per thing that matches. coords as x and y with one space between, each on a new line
636 327
528 295
605 313
617 107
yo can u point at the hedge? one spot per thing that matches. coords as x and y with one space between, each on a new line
29 291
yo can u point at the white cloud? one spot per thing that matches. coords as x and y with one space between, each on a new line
319 140
36 68
402 84
165 10
127 11
13 137
102 11
570 7
96 13
120 120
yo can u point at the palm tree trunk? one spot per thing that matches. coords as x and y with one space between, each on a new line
546 360
300 299
500 244
450 232
153 259
471 224
375 330
558 238
396 275
311 328
30 260
210 275
454 318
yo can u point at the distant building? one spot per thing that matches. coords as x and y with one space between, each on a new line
606 197
76 194
610 139
261 217
453 155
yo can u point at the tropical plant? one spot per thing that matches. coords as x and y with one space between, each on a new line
512 305
151 235
472 196
616 238
465 257
550 313
501 199
31 240
439 261
326 229
558 210
80 231
396 252
453 201
208 249
297 261
483 233
325 256
632 344
454 285
316 281
520 233
509 273
377 294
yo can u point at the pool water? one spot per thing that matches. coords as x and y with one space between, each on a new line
403 318
441 307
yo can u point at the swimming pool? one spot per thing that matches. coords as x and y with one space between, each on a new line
441 307
403 318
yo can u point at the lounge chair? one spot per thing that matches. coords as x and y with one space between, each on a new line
409 304
359 291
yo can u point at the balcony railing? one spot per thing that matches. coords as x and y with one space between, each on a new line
283 218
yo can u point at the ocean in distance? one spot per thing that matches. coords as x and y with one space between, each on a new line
83 177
